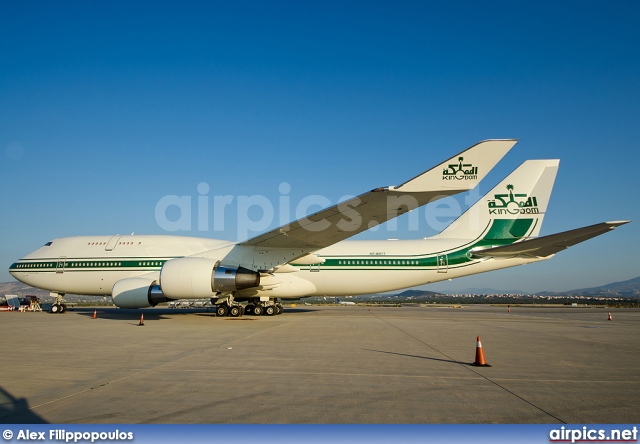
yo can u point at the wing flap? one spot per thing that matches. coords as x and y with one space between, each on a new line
547 245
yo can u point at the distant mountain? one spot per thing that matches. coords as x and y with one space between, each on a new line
483 290
629 288
20 289
417 293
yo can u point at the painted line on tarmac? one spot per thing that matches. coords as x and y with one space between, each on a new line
165 364
470 369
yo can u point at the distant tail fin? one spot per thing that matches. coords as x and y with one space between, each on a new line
514 209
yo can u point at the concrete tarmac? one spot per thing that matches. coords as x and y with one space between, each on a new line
314 364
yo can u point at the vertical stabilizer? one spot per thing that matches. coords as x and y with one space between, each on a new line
514 208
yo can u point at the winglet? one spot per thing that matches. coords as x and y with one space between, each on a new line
338 222
461 172
616 223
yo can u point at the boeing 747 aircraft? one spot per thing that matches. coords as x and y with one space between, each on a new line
311 256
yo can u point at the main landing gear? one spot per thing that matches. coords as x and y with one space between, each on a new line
255 307
225 310
266 308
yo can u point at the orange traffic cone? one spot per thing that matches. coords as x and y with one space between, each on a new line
508 309
480 361
610 318
141 323
95 314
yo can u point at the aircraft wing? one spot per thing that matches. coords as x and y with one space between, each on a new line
460 173
547 245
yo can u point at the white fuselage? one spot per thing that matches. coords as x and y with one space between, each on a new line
91 265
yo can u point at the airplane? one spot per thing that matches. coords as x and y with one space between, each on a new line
311 256
345 302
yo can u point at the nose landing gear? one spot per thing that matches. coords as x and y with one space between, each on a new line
59 306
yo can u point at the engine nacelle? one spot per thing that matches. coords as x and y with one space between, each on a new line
199 277
137 293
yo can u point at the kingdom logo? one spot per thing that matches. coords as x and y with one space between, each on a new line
460 171
513 203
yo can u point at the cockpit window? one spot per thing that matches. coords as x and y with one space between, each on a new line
48 244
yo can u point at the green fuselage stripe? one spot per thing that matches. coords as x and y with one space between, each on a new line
500 232
88 264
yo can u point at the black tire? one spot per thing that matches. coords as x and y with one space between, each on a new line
63 308
234 311
55 308
249 309
222 310
279 309
258 310
270 310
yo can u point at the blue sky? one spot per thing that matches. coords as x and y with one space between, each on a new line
106 107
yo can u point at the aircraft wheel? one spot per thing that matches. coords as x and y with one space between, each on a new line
270 310
63 308
55 308
249 309
258 310
234 311
222 310
279 309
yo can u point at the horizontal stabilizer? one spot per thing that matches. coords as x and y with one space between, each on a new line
548 245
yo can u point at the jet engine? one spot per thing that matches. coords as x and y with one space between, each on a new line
137 293
198 277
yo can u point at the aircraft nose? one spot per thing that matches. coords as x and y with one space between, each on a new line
15 270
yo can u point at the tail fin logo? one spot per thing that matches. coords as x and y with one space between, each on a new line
511 203
460 171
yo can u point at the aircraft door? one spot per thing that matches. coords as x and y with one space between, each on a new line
443 263
62 260
112 242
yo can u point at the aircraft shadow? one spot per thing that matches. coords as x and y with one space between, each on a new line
298 310
16 411
420 357
155 314
134 314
